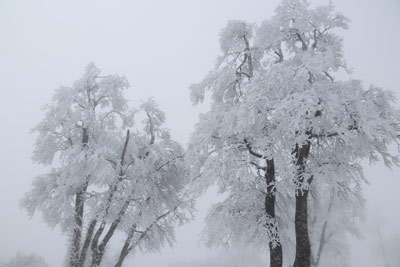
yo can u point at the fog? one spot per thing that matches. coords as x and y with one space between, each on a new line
162 47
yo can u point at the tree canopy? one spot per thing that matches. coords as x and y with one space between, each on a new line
110 171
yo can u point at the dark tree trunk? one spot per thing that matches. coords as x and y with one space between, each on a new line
124 252
99 249
303 246
270 199
78 219
78 216
86 244
128 246
76 238
275 246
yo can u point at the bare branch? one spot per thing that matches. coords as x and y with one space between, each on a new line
168 162
251 151
124 148
258 166
113 163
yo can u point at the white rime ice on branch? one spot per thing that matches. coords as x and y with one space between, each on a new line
275 99
109 172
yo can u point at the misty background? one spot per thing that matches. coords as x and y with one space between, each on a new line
161 47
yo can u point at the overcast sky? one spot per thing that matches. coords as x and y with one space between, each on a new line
162 47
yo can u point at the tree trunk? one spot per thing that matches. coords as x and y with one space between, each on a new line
124 252
303 245
275 249
128 246
98 250
76 238
86 244
78 216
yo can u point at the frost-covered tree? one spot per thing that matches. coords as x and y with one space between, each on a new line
222 150
328 125
108 174
277 99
